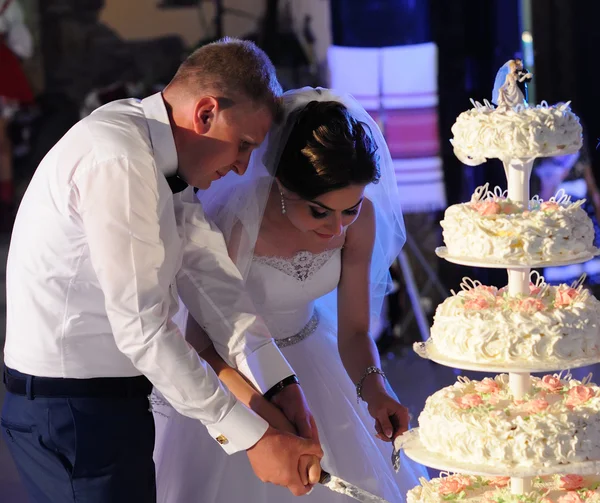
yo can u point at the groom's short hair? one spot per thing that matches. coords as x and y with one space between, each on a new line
230 67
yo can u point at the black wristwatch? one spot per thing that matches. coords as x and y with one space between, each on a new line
280 385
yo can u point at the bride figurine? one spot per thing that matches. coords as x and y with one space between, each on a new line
507 91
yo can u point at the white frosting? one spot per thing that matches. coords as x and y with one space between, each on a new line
494 227
469 488
485 325
485 132
479 422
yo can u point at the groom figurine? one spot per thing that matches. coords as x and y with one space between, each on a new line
523 77
93 276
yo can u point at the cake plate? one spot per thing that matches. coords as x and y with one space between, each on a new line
429 351
442 252
414 449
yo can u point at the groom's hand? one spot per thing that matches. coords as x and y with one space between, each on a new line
275 459
292 403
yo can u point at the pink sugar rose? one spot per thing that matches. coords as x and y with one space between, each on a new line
468 401
453 485
476 304
487 386
570 497
571 482
500 481
536 406
486 208
530 305
494 400
534 289
550 383
564 297
549 206
508 208
578 395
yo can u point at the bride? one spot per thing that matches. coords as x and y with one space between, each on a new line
313 227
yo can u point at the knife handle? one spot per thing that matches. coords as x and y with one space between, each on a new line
325 477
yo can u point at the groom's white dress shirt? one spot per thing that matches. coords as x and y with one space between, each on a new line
96 265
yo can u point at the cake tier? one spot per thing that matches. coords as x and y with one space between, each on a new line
480 422
551 325
486 132
493 227
547 489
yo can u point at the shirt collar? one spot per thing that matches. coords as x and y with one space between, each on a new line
161 134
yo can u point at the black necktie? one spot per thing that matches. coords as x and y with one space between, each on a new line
176 184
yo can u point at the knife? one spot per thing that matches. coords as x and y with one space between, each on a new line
341 486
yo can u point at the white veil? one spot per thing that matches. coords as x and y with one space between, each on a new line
499 81
236 203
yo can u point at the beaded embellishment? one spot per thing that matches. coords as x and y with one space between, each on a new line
307 331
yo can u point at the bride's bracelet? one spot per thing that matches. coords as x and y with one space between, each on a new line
359 385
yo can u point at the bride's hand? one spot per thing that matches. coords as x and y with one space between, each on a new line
292 403
391 417
273 416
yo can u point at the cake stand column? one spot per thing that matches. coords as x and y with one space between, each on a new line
518 282
520 486
518 174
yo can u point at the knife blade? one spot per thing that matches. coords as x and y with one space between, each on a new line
395 452
397 443
395 458
341 486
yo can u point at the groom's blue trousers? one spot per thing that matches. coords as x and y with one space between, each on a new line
80 449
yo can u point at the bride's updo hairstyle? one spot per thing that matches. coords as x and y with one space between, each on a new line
327 150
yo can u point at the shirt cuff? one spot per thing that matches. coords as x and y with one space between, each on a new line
239 430
265 367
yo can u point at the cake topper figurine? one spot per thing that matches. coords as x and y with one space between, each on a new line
510 86
523 77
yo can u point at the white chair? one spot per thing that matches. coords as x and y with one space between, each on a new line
356 70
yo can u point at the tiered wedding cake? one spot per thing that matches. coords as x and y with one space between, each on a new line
513 425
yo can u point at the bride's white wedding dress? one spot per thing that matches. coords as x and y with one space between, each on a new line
192 467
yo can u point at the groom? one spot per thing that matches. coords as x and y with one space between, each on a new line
93 277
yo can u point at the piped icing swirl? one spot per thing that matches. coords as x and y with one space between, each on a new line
521 132
568 488
551 324
480 422
491 226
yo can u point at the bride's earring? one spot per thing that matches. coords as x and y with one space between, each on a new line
283 210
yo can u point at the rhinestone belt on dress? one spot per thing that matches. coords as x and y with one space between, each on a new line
308 329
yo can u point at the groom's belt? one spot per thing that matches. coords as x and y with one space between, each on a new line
54 387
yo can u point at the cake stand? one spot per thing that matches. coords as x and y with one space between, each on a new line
518 173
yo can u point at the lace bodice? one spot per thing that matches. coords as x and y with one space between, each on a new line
284 290
301 266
